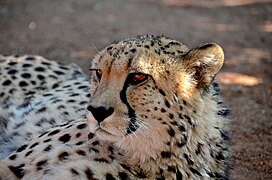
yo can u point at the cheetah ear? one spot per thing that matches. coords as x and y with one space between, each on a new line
204 62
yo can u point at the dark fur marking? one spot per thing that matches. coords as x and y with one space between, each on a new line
82 126
195 171
33 145
48 148
80 152
165 154
65 138
89 174
131 113
12 157
123 175
18 171
53 132
63 156
40 164
28 153
74 172
109 177
23 147
178 175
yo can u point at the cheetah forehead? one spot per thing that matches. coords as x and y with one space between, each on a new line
142 53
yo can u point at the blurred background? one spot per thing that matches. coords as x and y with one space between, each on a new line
74 30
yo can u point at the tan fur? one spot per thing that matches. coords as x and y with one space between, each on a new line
171 125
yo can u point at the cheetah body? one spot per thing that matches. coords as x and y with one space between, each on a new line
154 113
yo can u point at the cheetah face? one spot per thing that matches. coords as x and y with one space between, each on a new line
137 85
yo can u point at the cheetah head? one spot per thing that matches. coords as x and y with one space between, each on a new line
139 90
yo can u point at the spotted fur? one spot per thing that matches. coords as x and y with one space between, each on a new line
55 94
154 113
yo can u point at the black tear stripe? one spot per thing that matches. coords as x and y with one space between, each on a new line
131 113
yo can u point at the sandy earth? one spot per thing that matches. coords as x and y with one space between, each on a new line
72 31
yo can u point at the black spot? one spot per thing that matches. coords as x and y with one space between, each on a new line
12 71
80 152
198 148
171 132
123 175
23 147
126 167
6 83
63 156
40 69
93 149
165 154
74 94
89 174
18 171
74 172
171 169
48 148
47 140
102 160
30 58
95 143
23 84
109 177
181 128
82 87
78 135
189 161
162 92
223 112
40 77
195 171
178 175
90 135
12 63
163 110
28 153
59 72
133 50
53 132
79 143
167 103
71 101
46 63
26 75
65 138
55 86
224 135
171 116
82 126
12 157
40 164
33 145
26 65
220 156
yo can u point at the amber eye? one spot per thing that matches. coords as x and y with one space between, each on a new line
98 73
139 77
136 78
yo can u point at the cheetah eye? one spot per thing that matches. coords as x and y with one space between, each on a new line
98 73
136 78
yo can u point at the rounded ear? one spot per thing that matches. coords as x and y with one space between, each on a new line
204 62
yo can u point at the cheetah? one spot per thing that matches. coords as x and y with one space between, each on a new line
154 112
37 94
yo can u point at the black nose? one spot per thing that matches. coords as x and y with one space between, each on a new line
100 113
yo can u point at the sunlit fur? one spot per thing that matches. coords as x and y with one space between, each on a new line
172 125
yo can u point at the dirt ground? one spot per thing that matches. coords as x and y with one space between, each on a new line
72 31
